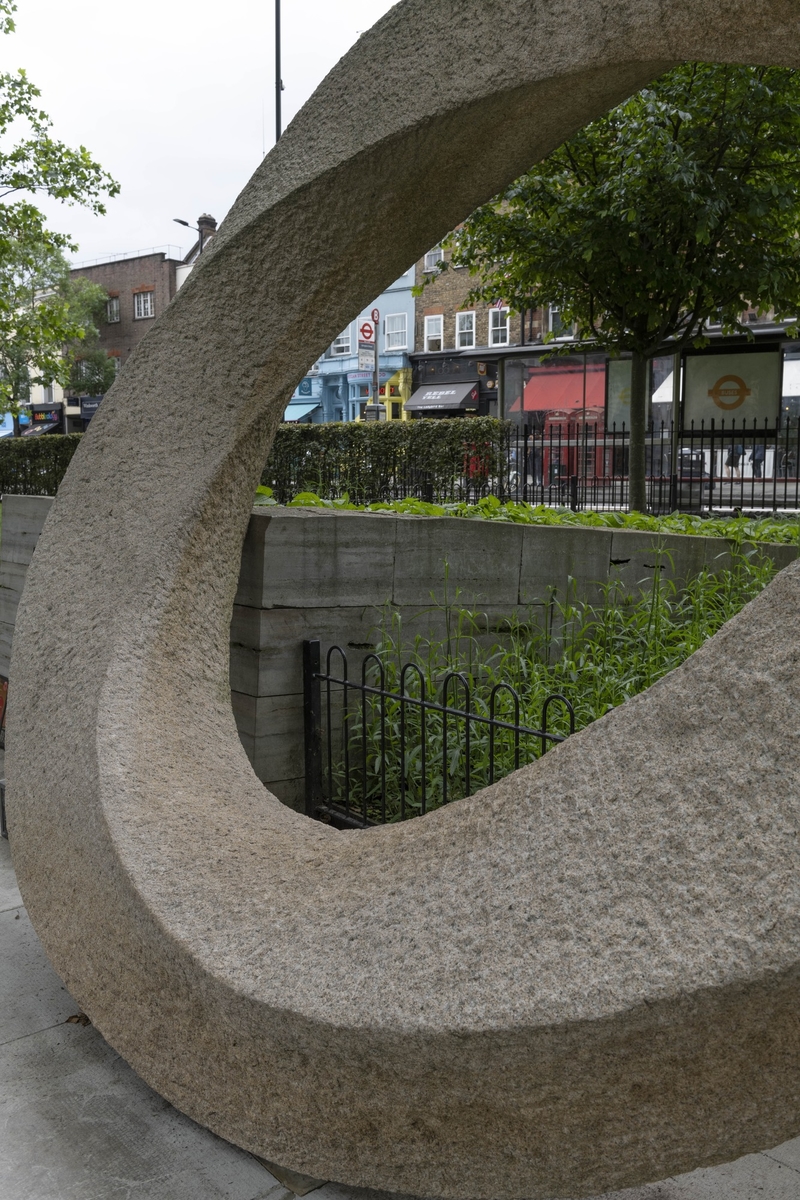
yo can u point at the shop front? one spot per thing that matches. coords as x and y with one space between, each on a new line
444 400
45 419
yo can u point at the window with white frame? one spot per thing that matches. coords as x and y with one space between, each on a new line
342 344
144 305
498 327
433 258
433 333
555 324
112 310
465 330
396 332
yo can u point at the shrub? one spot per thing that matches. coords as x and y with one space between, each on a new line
437 461
35 466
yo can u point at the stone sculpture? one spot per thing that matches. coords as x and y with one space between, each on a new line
586 977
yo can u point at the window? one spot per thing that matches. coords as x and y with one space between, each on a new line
498 327
112 310
433 258
396 332
395 411
433 333
465 330
557 326
143 305
47 391
342 344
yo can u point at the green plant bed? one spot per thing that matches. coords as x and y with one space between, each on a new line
784 530
596 655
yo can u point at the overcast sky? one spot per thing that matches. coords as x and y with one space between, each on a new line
174 97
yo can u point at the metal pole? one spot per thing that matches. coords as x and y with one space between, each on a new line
674 499
312 726
278 80
376 378
501 389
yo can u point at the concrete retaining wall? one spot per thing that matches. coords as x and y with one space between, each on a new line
311 573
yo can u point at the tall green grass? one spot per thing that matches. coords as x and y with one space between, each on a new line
597 655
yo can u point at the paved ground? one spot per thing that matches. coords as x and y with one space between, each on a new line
77 1124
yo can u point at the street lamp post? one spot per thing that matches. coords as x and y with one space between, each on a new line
278 80
197 229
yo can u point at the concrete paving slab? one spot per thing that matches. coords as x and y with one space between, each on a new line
9 892
32 997
789 1155
77 1124
756 1177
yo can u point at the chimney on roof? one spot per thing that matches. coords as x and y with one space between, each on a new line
207 225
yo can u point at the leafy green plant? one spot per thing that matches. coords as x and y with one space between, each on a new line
738 529
596 655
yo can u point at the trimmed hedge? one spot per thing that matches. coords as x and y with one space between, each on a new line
35 466
438 461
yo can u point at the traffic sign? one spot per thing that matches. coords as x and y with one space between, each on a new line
365 332
376 315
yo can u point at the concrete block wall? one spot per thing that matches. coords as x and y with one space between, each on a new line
22 521
311 573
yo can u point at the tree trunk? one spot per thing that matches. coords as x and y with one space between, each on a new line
637 500
17 429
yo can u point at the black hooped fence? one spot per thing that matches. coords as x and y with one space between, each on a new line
374 756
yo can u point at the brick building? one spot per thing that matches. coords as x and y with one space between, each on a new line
139 287
461 344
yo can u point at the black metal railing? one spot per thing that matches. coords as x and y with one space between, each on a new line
570 462
723 466
375 755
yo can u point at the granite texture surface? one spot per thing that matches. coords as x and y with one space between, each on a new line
584 979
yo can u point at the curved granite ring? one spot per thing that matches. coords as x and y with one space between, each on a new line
585 977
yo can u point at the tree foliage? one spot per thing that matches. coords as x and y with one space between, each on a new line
44 318
92 372
678 208
42 313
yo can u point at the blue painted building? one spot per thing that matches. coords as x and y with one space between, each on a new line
336 390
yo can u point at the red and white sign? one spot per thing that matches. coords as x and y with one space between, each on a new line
376 315
365 332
